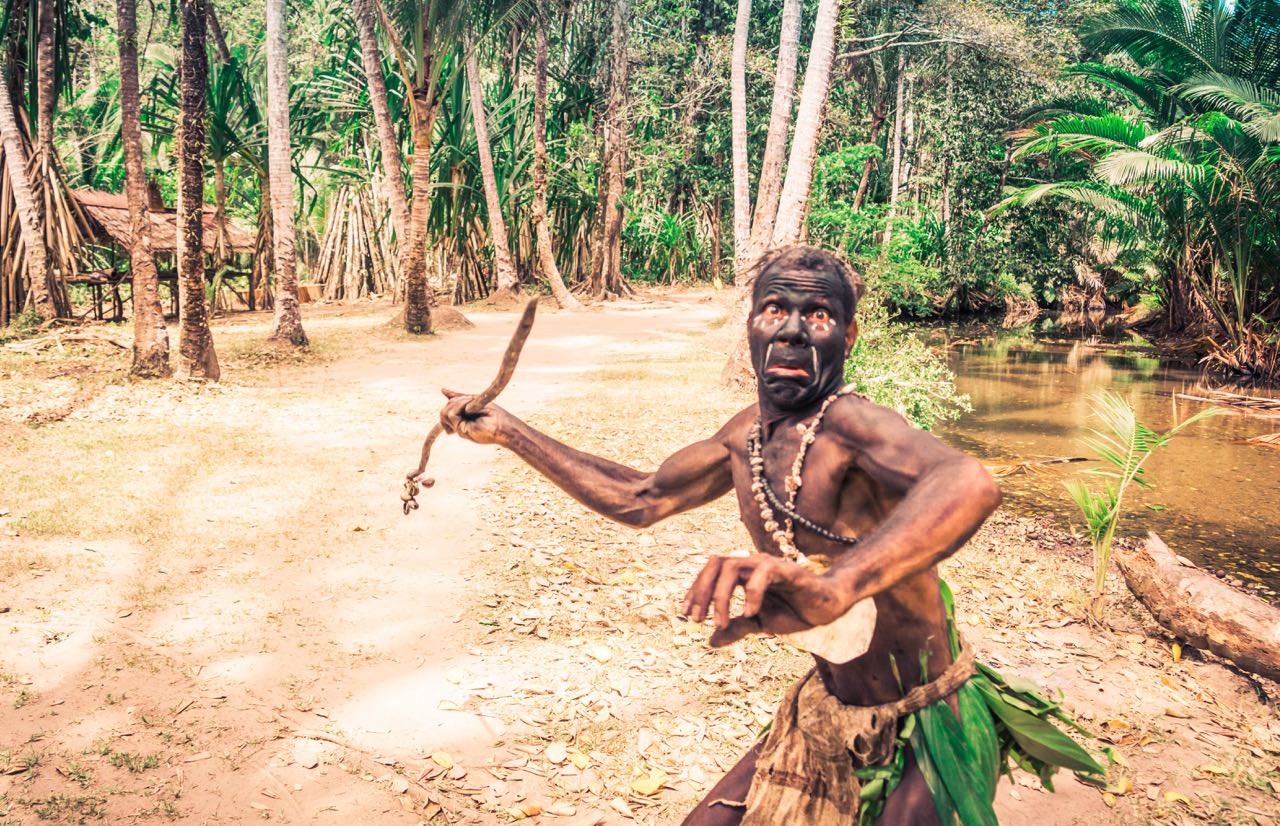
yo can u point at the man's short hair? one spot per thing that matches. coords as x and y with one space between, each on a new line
815 260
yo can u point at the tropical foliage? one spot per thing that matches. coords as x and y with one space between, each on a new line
1141 168
1123 444
1179 157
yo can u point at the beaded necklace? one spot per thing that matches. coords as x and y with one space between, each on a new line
784 533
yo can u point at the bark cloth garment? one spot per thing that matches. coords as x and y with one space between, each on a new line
803 771
824 763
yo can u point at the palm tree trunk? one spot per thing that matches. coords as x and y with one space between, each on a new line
392 164
895 180
794 201
741 168
150 338
546 255
288 319
775 148
215 31
196 356
413 254
46 85
504 267
877 121
36 256
615 157
220 251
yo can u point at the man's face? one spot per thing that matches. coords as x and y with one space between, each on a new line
800 332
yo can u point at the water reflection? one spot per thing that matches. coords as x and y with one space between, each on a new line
1214 501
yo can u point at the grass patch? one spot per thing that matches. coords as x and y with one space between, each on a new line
136 763
68 809
77 773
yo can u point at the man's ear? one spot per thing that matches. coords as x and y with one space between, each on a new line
850 336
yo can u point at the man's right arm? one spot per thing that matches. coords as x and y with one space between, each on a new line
690 477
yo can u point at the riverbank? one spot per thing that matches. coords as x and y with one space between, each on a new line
1032 390
245 626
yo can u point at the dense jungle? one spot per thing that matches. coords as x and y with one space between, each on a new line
243 246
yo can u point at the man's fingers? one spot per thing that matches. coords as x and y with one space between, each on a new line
450 394
730 574
753 591
699 596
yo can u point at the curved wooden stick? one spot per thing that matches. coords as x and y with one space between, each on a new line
509 360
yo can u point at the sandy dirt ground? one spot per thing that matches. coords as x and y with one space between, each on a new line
212 609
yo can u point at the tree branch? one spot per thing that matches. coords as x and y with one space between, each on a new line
881 47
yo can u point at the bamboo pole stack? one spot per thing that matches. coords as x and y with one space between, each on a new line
355 260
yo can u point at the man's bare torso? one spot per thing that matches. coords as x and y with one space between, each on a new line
835 493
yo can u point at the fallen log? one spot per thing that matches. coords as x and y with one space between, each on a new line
1203 611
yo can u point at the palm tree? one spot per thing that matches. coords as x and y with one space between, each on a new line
546 255
895 180
741 169
504 266
150 338
288 315
196 356
46 77
606 278
770 186
30 224
60 219
392 164
426 36
793 200
1188 166
804 143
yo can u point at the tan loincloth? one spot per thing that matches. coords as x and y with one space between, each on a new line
804 771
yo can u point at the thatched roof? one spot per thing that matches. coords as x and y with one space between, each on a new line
108 214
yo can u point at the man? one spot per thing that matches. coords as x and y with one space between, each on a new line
850 509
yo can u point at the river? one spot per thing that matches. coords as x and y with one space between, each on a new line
1215 501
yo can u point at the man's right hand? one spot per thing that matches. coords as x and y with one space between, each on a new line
483 428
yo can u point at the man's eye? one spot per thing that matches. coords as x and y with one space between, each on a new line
772 309
820 315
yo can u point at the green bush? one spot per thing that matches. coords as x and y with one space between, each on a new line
908 286
894 368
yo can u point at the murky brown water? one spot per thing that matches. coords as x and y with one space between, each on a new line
1214 501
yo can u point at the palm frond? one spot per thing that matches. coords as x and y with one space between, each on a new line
1092 135
1142 89
1136 168
1257 106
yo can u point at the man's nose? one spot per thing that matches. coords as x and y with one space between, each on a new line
793 331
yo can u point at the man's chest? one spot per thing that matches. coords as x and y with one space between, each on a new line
805 495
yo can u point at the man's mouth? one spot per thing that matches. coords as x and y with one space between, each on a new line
787 371
786 368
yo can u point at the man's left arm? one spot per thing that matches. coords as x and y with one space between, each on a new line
946 496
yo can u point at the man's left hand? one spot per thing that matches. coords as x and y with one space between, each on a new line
780 597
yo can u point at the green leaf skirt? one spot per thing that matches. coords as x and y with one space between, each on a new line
1003 722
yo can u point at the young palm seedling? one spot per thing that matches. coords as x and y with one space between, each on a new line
1124 444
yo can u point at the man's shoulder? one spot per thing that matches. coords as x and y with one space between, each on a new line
856 417
734 432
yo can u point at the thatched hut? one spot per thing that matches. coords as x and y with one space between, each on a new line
109 218
110 230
